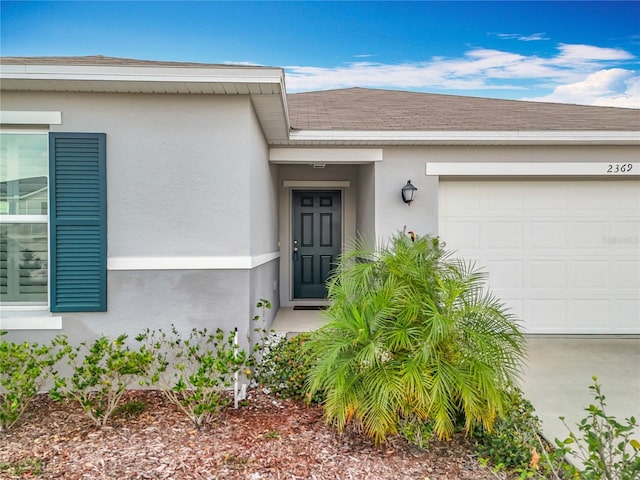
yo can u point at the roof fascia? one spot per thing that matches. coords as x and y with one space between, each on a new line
467 137
142 73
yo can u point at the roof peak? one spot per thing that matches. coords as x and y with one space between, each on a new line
102 60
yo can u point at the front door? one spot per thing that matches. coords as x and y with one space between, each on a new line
316 240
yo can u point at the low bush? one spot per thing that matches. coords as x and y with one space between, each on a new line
102 372
604 445
194 372
24 369
417 431
283 367
514 443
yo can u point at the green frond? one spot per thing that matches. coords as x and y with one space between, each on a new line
412 333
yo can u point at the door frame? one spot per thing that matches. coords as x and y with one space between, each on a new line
286 239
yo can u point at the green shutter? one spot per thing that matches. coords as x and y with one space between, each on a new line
78 222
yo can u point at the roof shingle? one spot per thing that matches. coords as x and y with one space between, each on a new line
364 109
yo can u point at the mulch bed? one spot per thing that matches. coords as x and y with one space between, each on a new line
268 438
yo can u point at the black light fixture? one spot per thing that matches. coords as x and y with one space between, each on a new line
408 191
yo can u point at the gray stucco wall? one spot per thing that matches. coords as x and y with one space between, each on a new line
365 206
160 148
391 213
175 167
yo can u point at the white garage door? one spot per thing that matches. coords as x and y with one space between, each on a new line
564 255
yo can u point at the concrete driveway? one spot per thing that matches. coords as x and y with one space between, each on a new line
558 375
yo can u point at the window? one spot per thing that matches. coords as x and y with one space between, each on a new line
24 256
53 223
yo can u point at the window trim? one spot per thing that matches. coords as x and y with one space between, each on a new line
30 118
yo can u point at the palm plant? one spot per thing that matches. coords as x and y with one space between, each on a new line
411 333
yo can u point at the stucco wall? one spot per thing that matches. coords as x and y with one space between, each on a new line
391 213
160 149
176 165
365 207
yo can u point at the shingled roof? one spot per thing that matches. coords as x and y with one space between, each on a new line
367 110
362 109
90 60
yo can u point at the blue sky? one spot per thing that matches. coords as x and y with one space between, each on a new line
574 52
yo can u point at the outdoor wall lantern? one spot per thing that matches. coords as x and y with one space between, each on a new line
408 191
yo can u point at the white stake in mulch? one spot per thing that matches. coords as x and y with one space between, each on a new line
235 375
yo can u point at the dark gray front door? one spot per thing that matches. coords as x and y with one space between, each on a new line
316 240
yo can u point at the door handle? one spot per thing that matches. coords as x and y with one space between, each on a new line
295 250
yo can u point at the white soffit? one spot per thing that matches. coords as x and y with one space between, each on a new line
466 137
622 169
325 155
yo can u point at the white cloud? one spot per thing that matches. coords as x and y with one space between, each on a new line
615 87
591 53
534 37
575 73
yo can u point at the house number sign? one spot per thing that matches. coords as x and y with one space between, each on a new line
619 168
576 169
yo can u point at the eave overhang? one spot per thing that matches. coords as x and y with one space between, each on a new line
264 85
462 137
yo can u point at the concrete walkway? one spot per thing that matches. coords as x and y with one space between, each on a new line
558 373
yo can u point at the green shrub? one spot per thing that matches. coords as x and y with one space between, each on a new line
193 373
411 332
24 369
283 367
514 441
416 431
26 468
605 446
102 372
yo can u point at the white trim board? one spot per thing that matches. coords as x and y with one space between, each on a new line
613 169
325 155
190 263
30 118
33 321
316 183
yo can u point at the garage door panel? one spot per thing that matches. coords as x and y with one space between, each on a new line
626 275
504 235
624 234
588 234
493 203
564 254
590 315
545 274
467 234
505 274
627 314
545 234
548 315
545 200
591 274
